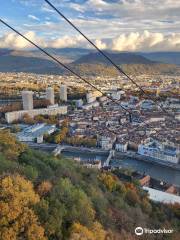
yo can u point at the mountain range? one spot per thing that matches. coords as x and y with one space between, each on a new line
79 58
118 58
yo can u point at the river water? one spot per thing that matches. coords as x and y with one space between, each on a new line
155 171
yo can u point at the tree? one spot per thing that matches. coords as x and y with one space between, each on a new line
44 188
98 231
76 201
61 135
109 181
80 232
27 119
176 209
15 128
9 146
132 198
17 218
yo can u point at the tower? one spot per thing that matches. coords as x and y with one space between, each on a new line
27 98
63 93
50 95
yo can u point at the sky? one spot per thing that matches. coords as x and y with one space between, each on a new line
121 25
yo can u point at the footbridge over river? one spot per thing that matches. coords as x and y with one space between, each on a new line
111 154
58 150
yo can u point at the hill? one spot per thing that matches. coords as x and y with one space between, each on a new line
84 61
133 69
12 63
164 57
66 55
118 58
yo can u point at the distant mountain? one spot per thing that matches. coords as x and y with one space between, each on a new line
4 51
71 54
12 63
65 54
118 58
84 61
163 57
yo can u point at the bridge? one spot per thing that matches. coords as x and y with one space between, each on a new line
58 150
111 154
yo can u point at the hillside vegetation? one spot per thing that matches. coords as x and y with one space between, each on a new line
43 197
134 69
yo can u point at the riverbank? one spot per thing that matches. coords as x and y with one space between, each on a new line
156 170
154 161
117 155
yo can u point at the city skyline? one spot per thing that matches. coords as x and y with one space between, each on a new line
117 25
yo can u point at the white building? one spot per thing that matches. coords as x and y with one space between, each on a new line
35 133
164 197
50 95
116 95
90 97
106 142
63 93
18 115
27 98
95 164
154 149
91 105
121 146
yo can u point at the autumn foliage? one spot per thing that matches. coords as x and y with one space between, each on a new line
80 232
17 218
9 146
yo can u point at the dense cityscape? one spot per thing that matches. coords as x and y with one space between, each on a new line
94 120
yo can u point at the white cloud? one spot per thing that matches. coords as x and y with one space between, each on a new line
33 17
147 41
100 44
134 41
12 40
67 41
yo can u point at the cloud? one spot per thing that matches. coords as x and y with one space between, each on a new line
147 41
33 17
13 41
67 41
100 44
134 41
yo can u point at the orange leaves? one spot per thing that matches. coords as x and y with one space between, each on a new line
63 133
44 188
109 181
16 216
16 193
9 145
80 232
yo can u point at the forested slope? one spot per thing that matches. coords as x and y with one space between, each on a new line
46 197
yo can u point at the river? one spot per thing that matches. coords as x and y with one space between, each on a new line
165 174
